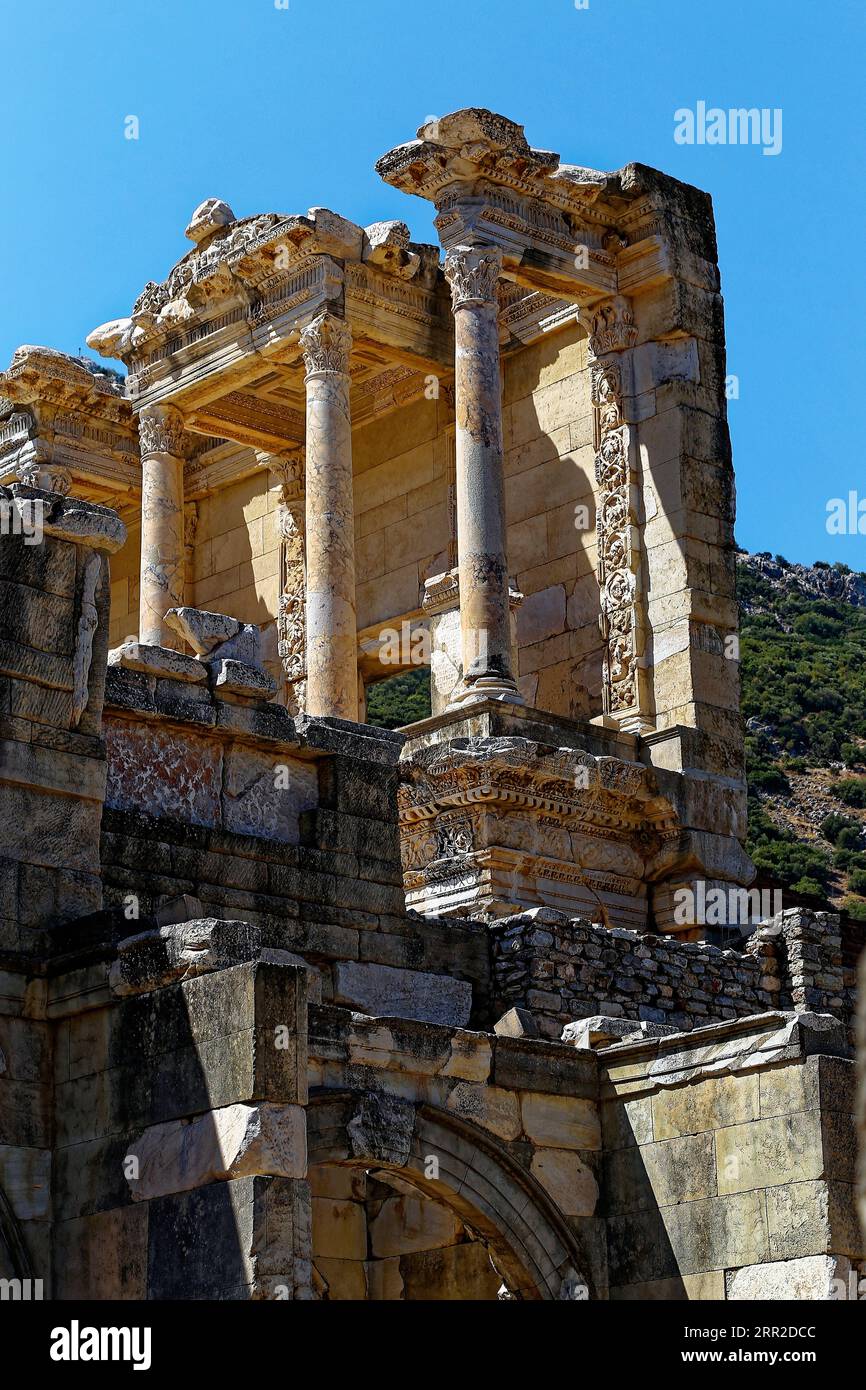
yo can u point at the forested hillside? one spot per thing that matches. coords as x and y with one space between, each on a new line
803 653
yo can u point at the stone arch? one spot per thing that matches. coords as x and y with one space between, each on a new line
453 1163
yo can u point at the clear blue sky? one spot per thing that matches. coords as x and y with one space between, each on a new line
279 110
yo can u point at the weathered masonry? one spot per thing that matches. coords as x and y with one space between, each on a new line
295 1007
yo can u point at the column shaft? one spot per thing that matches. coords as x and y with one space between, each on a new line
481 534
332 630
162 522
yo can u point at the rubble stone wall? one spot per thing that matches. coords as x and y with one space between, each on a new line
563 969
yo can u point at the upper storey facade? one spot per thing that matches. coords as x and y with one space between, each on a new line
510 449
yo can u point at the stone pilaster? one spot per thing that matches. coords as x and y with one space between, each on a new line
162 522
625 687
331 637
473 273
287 474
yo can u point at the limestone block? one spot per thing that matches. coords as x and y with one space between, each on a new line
541 615
340 1281
625 1123
808 1218
163 772
659 1175
517 1023
161 662
381 1129
25 1177
202 630
459 1273
231 677
202 1244
264 794
567 1179
384 1281
237 1141
488 1106
599 1031
471 1057
330 1180
386 992
686 1288
713 1103
103 1256
560 1122
339 1229
718 1233
815 1277
406 1223
763 1153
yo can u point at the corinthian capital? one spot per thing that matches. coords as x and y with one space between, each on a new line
611 327
286 474
326 344
160 430
473 273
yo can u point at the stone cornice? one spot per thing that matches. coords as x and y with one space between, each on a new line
63 419
573 786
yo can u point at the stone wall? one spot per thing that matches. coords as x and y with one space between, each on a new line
235 555
291 826
563 969
54 598
729 1163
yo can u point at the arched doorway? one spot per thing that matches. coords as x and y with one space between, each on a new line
411 1203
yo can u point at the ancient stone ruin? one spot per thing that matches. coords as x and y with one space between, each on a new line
292 1006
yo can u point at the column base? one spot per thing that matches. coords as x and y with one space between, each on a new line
485 688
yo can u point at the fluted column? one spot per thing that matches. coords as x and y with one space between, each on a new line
332 636
160 430
485 624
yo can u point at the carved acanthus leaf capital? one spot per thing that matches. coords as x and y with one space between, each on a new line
611 327
473 272
286 473
160 430
327 344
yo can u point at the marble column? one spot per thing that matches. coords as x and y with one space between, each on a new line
485 623
160 429
332 630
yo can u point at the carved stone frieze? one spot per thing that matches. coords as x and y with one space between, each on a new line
486 823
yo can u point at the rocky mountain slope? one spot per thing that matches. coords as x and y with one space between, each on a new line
803 650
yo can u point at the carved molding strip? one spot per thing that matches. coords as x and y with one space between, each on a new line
623 693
